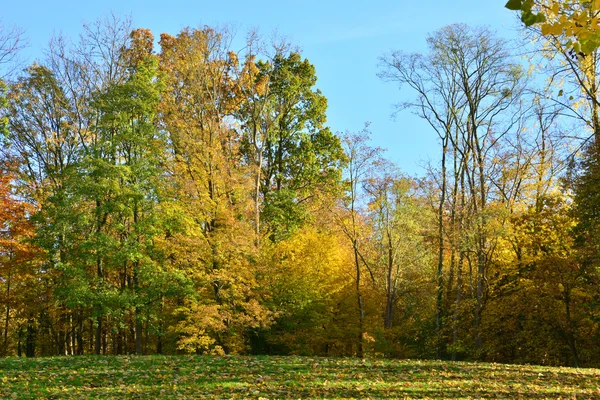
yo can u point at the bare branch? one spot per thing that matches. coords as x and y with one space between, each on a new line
12 41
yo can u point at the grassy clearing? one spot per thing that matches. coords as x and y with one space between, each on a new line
192 377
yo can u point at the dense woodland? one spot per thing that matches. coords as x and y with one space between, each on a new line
187 198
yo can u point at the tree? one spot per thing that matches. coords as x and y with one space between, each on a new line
577 20
439 102
545 292
400 222
283 128
84 127
362 161
12 41
41 138
465 86
218 248
122 177
17 255
572 38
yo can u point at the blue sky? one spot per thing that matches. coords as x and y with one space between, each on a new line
343 39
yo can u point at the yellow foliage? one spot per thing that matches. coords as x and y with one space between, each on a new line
309 280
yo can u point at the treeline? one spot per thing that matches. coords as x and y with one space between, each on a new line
191 198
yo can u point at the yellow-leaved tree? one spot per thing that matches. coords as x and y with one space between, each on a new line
576 20
213 242
308 279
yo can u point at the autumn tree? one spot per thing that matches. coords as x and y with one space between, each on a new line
17 257
52 128
122 178
577 20
569 43
465 85
40 135
400 223
202 94
362 162
440 103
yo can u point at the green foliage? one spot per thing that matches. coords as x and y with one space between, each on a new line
527 15
300 156
284 215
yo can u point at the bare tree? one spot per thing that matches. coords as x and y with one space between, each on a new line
12 41
440 102
467 88
362 160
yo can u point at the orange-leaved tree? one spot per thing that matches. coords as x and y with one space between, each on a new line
17 256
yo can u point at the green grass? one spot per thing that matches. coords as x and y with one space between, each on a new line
183 377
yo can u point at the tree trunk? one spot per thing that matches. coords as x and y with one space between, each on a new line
389 306
30 339
457 304
138 333
20 341
569 330
440 265
4 351
137 312
361 311
99 272
257 194
481 243
80 349
98 343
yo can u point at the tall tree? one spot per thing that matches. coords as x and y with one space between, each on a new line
465 86
284 131
400 222
201 97
570 38
17 255
125 167
362 162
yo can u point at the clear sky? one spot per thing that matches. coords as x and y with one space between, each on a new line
343 39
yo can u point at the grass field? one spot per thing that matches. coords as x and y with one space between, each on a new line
158 377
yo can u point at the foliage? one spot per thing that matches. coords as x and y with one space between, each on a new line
17 258
285 139
192 199
306 281
202 92
3 104
577 20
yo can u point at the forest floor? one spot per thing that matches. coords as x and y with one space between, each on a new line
191 377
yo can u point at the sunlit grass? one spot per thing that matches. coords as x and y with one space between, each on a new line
189 377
